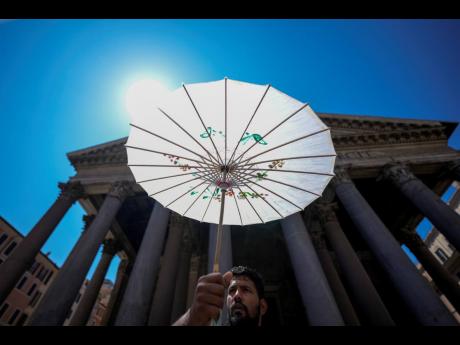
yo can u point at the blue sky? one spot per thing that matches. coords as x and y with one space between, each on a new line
62 84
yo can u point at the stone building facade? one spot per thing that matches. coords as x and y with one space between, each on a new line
32 285
338 262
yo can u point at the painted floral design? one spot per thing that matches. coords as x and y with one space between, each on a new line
255 136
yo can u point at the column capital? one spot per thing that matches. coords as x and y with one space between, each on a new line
71 190
317 237
111 246
341 176
398 173
326 212
121 190
410 237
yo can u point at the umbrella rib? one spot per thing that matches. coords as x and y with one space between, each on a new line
225 159
160 178
191 136
291 171
185 193
264 200
164 165
244 197
164 153
286 159
169 141
209 203
273 193
250 120
179 184
265 135
204 126
196 199
283 183
237 207
286 143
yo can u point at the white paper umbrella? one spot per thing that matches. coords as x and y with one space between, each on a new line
231 153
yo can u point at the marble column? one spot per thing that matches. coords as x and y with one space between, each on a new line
135 306
182 280
360 285
446 282
60 296
23 256
443 217
320 305
420 298
160 312
341 296
225 260
85 307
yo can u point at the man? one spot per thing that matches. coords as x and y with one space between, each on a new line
245 299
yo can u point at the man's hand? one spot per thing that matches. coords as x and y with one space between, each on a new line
208 299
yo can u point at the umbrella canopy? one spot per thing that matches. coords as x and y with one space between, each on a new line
266 153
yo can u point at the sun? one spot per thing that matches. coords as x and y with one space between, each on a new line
144 94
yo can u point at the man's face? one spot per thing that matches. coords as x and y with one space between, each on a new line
243 303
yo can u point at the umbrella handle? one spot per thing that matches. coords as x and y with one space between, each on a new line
216 267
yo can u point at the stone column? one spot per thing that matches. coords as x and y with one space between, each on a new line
83 312
343 301
23 256
59 297
160 312
446 282
135 306
225 260
413 288
182 280
317 297
361 288
444 218
123 272
115 292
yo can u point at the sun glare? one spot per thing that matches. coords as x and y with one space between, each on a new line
144 94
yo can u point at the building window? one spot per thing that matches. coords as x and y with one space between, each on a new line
32 289
10 248
21 283
22 319
14 316
69 313
3 238
441 255
34 300
48 278
40 271
33 267
42 275
3 309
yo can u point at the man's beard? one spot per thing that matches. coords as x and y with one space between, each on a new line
236 318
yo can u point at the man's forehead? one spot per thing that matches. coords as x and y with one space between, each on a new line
242 280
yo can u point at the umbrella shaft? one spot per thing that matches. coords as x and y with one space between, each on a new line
219 233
